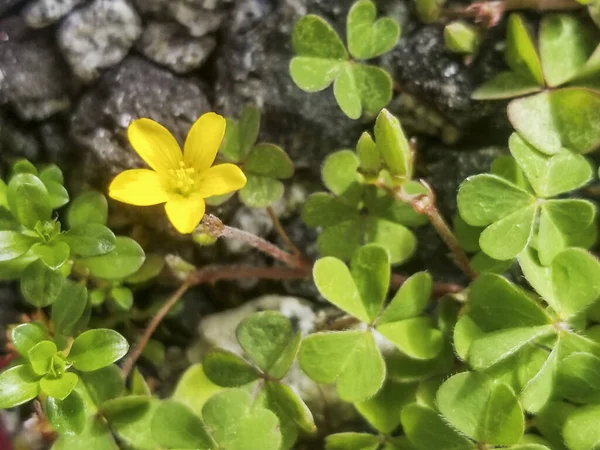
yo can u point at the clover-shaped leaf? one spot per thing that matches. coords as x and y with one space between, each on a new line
579 431
521 54
368 38
578 378
481 409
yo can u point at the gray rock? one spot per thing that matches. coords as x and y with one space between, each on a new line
253 68
167 44
34 81
42 13
16 142
98 36
134 89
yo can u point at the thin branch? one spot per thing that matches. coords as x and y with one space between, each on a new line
284 236
212 274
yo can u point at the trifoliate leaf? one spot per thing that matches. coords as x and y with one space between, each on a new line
340 175
270 161
248 129
411 299
399 241
131 419
506 85
367 37
360 88
520 53
227 369
465 332
260 192
323 210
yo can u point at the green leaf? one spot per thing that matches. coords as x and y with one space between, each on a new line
340 174
416 337
575 281
506 85
550 422
565 46
519 225
465 332
383 410
90 239
335 282
496 304
52 173
426 430
57 193
248 128
341 240
139 386
368 38
497 346
261 192
14 244
96 436
152 267
123 261
27 335
506 166
398 240
131 420
313 74
23 166
236 425
88 207
324 210
560 118
578 378
482 263
231 147
360 88
103 384
370 269
59 387
393 145
349 358
403 369
550 175
66 416
581 430
194 388
41 285
462 37
352 441
122 297
18 385
485 199
174 425
520 52
410 300
40 356
28 199
53 254
96 349
270 341
368 155
227 369
538 390
269 160
481 409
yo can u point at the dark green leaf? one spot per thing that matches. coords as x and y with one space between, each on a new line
41 285
248 126
66 416
28 199
96 349
227 369
131 419
174 425
88 207
123 261
269 160
90 239
103 384
152 267
323 210
352 441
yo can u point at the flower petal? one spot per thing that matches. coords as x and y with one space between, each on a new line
185 213
140 187
155 144
219 180
203 141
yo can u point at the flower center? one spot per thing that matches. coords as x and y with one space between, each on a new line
182 179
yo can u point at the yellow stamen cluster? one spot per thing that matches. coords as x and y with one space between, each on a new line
183 178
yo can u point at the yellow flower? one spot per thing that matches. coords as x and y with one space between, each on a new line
180 180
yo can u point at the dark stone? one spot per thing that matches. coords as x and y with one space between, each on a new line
134 89
34 80
8 5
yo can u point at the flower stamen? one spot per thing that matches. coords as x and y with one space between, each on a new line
182 179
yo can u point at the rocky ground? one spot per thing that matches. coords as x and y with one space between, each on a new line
74 73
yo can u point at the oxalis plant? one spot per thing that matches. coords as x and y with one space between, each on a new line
510 359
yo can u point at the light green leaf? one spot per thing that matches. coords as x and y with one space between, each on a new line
269 160
368 38
131 420
520 52
152 267
270 341
552 120
52 173
482 263
324 210
518 225
426 430
139 385
465 332
28 199
351 441
41 285
103 384
346 93
227 369
66 416
461 37
538 276
539 389
550 422
581 431
122 297
481 409
231 147
194 388
383 410
497 346
506 166
40 356
506 85
90 239
313 74
340 174
95 436
403 369
370 269
123 261
398 240
14 244
416 337
410 300
27 335
368 154
53 254
23 166
349 358
341 240
565 46
18 385
88 207
393 145
59 387
578 378
485 199
174 425
261 192
360 88
57 194
96 349
550 175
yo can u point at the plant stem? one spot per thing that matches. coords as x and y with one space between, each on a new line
283 235
212 274
218 229
439 289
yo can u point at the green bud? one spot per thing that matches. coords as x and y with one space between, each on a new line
366 149
462 37
393 145
429 11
